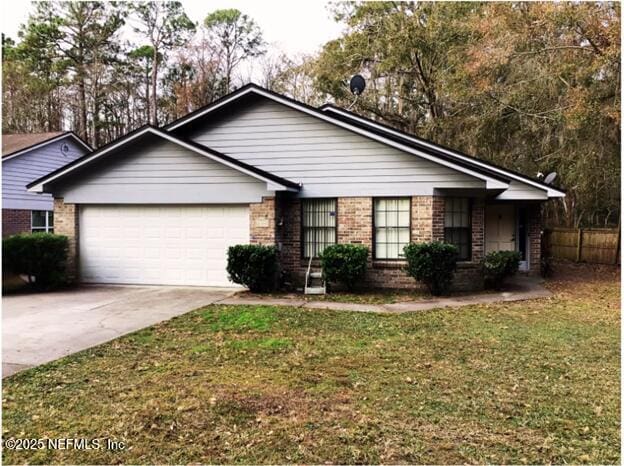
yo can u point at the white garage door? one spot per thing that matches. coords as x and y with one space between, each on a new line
160 245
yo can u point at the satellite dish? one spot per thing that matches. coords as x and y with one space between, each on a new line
357 84
550 177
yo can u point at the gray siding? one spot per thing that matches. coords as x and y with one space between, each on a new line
163 173
19 171
328 160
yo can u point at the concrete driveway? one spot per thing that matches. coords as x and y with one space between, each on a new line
38 328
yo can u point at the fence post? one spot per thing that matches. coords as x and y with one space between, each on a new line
579 244
617 244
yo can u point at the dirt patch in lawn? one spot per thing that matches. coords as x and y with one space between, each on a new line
525 382
379 296
566 271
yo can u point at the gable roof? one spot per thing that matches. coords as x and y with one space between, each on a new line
18 144
496 176
493 179
418 142
69 169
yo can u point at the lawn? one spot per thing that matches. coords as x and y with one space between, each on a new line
527 382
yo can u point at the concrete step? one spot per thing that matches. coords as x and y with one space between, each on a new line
316 274
315 290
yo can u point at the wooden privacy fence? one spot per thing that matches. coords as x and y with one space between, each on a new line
593 245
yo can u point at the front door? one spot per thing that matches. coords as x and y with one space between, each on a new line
500 227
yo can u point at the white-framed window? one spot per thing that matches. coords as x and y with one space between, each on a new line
318 225
391 226
457 225
42 221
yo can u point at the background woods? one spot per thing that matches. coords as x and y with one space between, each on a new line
533 87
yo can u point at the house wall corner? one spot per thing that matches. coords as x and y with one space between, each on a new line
262 222
66 222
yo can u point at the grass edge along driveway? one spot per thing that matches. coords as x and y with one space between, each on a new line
528 382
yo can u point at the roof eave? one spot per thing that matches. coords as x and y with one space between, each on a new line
40 144
252 88
555 193
273 182
551 190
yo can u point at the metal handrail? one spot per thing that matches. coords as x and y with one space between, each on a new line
308 272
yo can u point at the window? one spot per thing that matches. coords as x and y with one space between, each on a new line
392 227
318 222
457 225
42 221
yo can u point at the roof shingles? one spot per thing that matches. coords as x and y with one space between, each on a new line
12 143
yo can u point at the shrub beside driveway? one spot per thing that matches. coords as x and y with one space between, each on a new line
532 382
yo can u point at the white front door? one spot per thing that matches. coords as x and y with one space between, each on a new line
160 245
500 228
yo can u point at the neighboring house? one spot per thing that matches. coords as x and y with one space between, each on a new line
26 157
161 205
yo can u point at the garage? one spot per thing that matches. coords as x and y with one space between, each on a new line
159 245
154 209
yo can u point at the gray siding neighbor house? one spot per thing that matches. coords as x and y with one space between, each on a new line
162 205
26 157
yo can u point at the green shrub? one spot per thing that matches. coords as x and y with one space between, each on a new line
499 265
254 266
345 264
42 257
433 264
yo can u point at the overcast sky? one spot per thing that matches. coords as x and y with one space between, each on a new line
295 26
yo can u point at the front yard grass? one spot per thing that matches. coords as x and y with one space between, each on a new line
526 382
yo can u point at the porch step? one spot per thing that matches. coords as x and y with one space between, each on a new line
314 283
314 290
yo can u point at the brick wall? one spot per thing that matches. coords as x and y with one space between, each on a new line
15 221
355 217
535 238
66 223
355 221
468 277
437 218
288 235
422 218
478 229
262 222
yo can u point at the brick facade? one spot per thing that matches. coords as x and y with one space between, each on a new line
66 223
355 226
478 229
277 220
15 221
437 218
422 218
288 210
262 222
355 220
534 228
